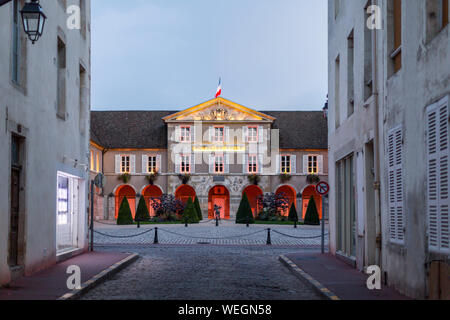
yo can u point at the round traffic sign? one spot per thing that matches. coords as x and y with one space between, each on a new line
323 188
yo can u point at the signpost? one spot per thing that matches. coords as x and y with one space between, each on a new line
323 189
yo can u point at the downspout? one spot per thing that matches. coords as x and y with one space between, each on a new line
377 151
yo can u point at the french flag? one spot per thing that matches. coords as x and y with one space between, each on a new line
219 89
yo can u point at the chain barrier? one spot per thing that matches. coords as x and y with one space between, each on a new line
294 237
123 237
211 238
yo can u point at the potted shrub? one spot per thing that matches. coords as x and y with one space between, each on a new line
152 177
184 178
125 217
244 214
293 216
312 215
313 179
125 177
285 177
254 179
142 213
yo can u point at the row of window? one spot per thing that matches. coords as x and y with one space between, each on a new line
218 164
438 168
219 134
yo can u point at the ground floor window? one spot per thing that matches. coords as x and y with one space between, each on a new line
67 212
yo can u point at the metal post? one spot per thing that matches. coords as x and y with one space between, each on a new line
269 239
217 222
138 224
323 224
92 216
155 241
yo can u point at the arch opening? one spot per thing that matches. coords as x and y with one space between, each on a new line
185 192
150 194
253 193
309 192
290 194
220 196
127 192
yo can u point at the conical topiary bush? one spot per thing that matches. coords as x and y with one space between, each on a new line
199 209
244 214
142 213
190 213
125 217
293 216
312 215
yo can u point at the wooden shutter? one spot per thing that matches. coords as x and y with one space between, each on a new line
278 164
226 166
244 163
177 137
192 128
244 134
117 165
320 164
158 163
227 135
212 160
438 157
145 163
192 164
395 182
260 134
177 163
293 164
260 160
305 164
132 164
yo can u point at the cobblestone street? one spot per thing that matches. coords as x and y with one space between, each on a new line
227 234
204 273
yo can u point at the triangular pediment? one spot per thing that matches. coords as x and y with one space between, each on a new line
219 109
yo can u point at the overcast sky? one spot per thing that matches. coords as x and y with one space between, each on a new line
169 54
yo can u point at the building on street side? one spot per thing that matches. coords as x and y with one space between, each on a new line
44 138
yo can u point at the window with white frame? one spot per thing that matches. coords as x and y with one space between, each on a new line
252 134
185 134
313 164
185 165
152 164
286 164
125 166
92 167
219 133
252 165
219 164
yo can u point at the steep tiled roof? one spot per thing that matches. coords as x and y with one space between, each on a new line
147 130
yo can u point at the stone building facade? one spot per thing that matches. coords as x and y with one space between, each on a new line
218 143
389 88
44 139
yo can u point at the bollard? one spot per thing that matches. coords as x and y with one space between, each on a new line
217 222
269 240
186 224
156 237
295 225
138 224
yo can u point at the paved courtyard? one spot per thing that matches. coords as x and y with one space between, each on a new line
204 273
228 233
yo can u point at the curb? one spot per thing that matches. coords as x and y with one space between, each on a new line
99 278
307 279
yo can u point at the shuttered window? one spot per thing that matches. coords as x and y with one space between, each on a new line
396 201
438 156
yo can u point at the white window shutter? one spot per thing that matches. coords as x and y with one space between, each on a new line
395 182
261 134
260 163
244 163
158 163
133 164
145 163
118 161
305 164
211 163
227 163
227 135
193 136
177 163
245 134
438 157
192 163
320 164
177 134
293 164
278 164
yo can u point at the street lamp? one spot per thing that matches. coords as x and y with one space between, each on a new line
33 20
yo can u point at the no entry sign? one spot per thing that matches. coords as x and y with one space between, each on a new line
323 188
